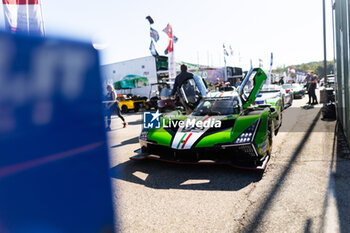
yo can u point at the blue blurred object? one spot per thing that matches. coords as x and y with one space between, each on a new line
259 101
53 154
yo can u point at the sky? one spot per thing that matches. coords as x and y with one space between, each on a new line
291 29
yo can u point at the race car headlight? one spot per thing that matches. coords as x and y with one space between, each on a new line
144 135
248 134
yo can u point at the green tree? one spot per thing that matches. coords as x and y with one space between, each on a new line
305 67
319 70
278 70
315 66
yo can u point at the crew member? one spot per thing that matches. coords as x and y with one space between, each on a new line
281 82
312 88
182 77
218 85
238 82
307 80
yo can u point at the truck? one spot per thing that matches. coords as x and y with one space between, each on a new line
154 68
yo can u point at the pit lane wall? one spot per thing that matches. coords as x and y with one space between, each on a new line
342 62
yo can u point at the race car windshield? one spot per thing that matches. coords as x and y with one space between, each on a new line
267 89
165 93
296 86
287 86
217 106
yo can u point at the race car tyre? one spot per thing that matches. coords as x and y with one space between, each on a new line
125 109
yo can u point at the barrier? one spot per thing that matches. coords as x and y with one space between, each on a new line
53 154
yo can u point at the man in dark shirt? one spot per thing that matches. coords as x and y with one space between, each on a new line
281 81
307 80
311 89
179 80
183 76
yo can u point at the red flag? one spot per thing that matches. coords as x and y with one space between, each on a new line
23 16
169 30
170 49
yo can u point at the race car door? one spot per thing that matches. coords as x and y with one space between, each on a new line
192 91
251 86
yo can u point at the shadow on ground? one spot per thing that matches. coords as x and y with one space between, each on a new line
258 216
127 142
161 175
342 180
138 122
339 184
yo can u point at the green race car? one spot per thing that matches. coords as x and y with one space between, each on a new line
225 128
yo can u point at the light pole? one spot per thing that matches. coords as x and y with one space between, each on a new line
225 72
324 43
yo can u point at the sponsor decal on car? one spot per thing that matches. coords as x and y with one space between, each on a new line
152 120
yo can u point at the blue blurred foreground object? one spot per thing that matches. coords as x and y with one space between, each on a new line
53 153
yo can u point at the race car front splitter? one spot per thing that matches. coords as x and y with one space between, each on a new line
261 165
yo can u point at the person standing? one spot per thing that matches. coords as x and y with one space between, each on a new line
312 89
307 80
179 80
112 106
238 82
218 85
313 85
281 81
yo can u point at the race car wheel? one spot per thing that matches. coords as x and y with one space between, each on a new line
280 124
124 109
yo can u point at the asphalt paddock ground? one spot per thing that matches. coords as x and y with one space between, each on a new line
305 187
